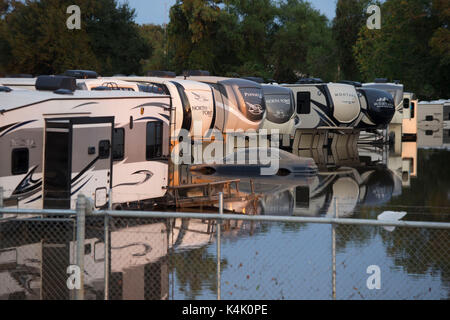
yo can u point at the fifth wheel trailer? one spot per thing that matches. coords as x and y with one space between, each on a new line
55 145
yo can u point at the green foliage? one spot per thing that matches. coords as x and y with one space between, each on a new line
350 18
155 36
201 36
302 43
34 38
278 39
410 47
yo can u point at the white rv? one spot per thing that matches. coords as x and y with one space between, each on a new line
280 112
329 105
193 102
55 145
396 90
106 84
238 103
18 83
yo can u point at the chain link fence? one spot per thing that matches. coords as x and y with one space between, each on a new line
126 255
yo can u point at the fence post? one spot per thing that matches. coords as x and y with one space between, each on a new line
81 221
107 245
333 249
1 200
219 224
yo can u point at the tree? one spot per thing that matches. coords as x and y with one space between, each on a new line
301 43
115 38
409 47
155 36
201 36
40 43
256 20
37 41
350 18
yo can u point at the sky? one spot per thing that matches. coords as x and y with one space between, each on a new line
157 11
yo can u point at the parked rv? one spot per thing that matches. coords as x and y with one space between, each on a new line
239 103
280 113
396 90
192 101
106 84
57 143
18 83
325 105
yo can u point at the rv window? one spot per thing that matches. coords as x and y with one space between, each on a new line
406 104
303 102
20 161
154 140
103 149
118 149
302 197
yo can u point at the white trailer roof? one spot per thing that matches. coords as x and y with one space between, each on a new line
21 98
11 82
187 84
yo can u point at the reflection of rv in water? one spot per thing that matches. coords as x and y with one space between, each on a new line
238 103
365 186
325 105
37 268
280 112
58 144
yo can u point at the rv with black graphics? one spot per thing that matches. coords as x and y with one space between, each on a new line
320 104
58 142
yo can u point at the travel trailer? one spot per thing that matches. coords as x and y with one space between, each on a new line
409 127
18 83
238 103
280 113
57 143
106 84
378 108
192 102
396 90
331 105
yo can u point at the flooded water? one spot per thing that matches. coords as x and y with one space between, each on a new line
177 259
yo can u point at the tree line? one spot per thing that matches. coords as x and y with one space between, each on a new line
282 40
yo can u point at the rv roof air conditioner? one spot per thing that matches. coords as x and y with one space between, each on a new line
53 83
309 81
5 89
196 73
81 74
161 74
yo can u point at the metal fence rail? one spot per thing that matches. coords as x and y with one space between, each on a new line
174 255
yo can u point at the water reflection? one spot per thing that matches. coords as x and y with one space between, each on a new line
176 258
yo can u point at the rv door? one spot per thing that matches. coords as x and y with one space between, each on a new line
77 159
